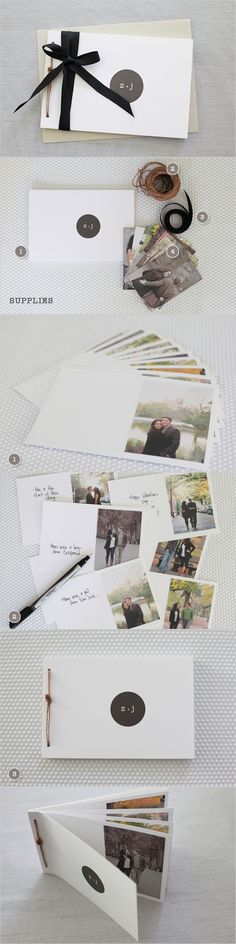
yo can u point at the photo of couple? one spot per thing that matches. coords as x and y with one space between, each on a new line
137 855
175 427
190 502
130 599
188 605
178 557
118 537
91 488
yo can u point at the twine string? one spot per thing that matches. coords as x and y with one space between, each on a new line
154 180
39 843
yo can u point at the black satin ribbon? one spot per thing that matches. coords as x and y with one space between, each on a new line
185 213
71 65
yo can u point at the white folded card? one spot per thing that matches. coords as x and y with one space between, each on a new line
118 707
154 74
117 598
125 598
78 225
181 504
69 532
85 487
109 848
128 414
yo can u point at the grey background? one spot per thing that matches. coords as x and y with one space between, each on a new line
213 33
199 903
85 290
24 649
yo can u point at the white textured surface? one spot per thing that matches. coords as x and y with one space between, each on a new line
199 904
90 290
23 650
213 33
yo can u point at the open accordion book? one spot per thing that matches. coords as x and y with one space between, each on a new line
110 849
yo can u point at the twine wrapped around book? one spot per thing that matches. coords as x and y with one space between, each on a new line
155 181
71 65
48 699
39 843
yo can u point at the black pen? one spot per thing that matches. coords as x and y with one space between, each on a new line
16 616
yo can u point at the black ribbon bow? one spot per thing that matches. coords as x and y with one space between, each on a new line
71 65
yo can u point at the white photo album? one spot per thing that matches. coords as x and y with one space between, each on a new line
110 848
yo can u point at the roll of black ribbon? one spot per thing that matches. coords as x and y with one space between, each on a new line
171 210
71 65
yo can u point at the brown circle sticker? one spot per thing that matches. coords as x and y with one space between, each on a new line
128 709
128 84
93 879
88 226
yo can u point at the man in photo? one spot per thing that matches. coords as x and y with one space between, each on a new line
121 544
90 496
187 614
133 613
171 437
167 558
110 546
192 513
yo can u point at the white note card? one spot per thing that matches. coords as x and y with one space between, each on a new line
78 225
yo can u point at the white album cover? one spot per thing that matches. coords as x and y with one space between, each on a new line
85 225
153 73
118 707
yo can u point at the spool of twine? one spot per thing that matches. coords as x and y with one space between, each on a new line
154 180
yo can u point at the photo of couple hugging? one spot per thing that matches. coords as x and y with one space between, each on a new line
163 439
118 535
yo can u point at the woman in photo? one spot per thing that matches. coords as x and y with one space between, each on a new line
121 860
128 863
167 558
174 617
154 441
185 514
184 554
133 613
97 496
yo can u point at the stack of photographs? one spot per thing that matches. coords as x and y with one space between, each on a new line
157 265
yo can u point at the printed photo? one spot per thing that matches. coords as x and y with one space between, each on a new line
137 855
190 502
118 537
173 427
156 827
178 557
91 488
131 600
188 605
158 277
138 803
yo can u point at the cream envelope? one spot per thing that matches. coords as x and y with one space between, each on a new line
169 28
85 225
155 74
118 707
75 861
